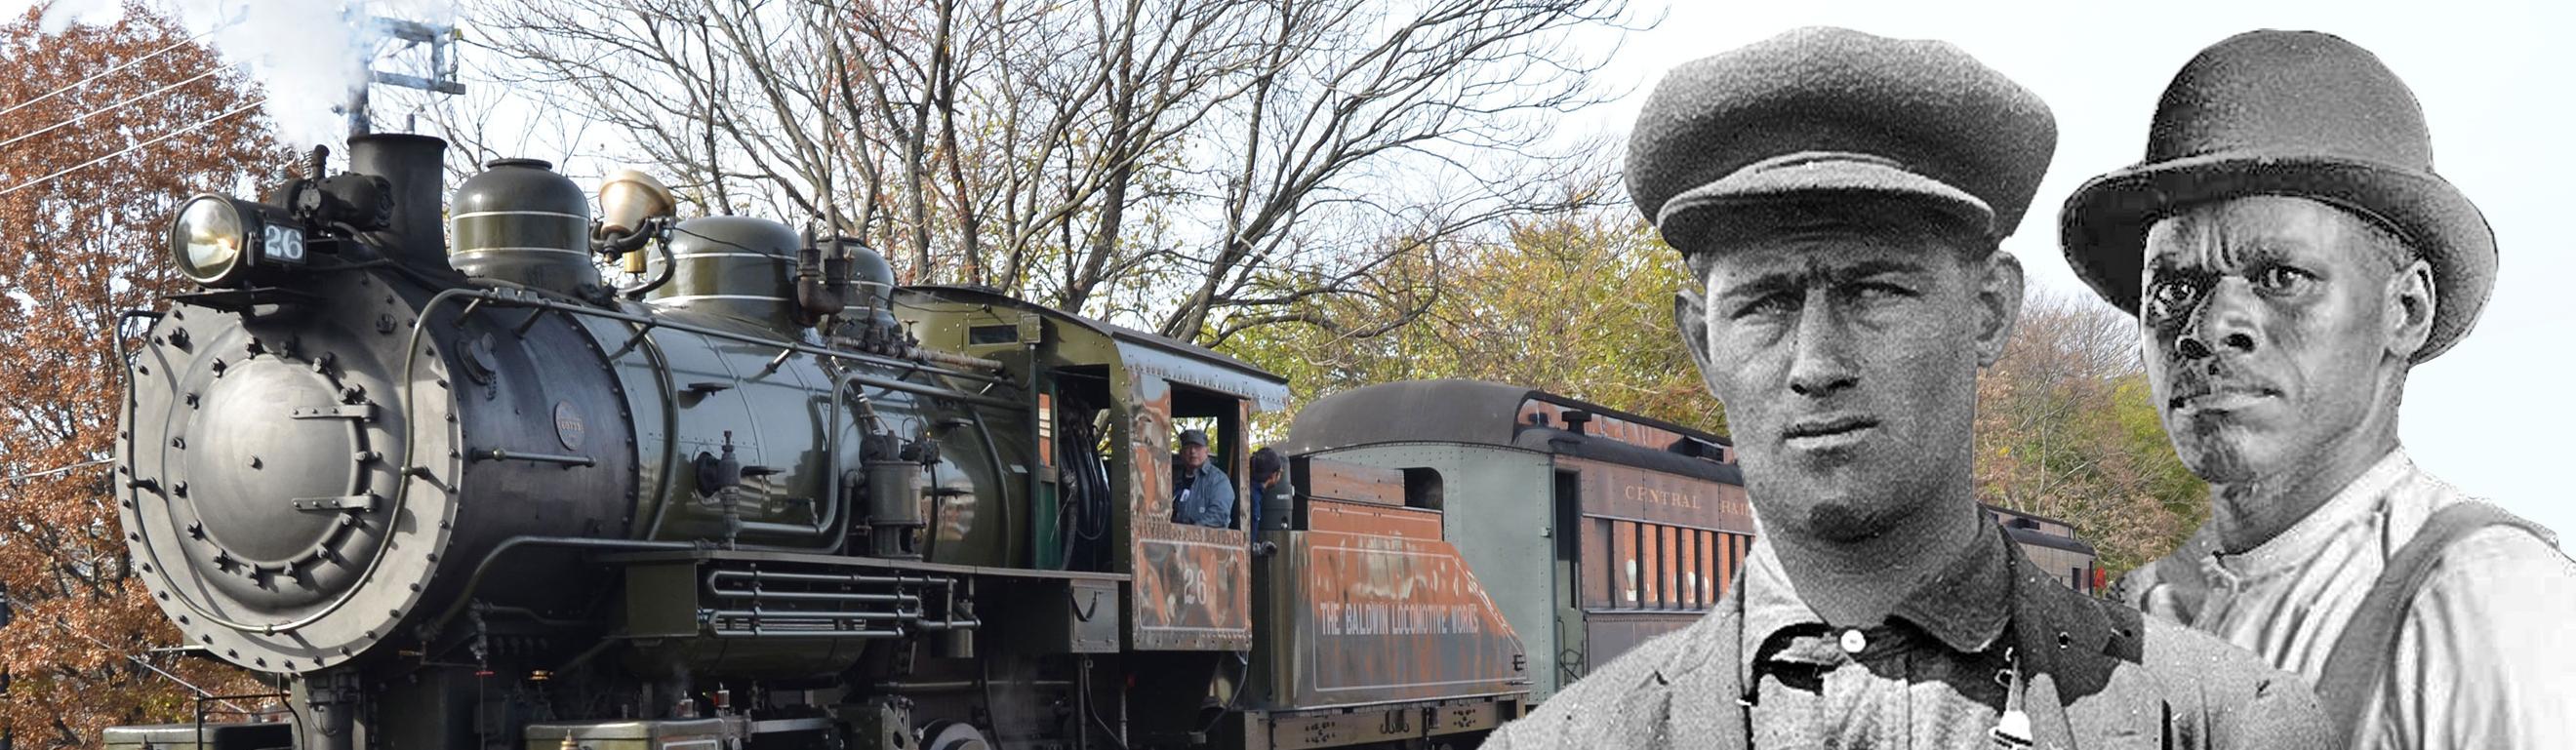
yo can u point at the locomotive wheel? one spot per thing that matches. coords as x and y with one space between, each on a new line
953 735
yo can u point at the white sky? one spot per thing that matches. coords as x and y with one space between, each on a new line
2495 79
2492 415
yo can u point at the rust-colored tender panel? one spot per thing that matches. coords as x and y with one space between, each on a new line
1149 440
1628 492
1345 481
1366 518
1380 618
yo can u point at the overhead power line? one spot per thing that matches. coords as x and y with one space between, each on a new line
136 147
118 103
56 470
120 66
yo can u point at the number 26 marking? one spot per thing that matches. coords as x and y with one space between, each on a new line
282 243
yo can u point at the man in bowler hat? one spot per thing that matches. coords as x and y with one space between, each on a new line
1839 198
2291 255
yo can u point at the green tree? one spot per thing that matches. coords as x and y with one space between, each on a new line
79 243
1577 303
2066 427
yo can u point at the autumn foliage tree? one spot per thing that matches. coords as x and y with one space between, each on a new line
78 245
2066 427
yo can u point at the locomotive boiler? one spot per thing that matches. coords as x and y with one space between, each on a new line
506 474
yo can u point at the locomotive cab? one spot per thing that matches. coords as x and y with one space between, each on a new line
1110 403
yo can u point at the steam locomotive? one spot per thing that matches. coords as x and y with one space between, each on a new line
446 484
452 487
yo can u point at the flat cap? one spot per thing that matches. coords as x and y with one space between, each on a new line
1194 437
1824 110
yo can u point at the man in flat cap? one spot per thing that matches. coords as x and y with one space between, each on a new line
1839 198
2296 255
1202 494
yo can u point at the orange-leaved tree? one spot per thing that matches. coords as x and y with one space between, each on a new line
79 243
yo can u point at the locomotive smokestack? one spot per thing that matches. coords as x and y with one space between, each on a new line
417 167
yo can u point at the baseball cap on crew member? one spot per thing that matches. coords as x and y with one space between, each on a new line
1824 111
1194 437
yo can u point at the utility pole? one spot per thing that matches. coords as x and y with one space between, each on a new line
442 62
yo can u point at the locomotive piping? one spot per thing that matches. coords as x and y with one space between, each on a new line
829 520
638 291
899 385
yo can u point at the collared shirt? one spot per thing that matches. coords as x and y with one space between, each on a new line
1931 677
2095 676
1206 498
2482 659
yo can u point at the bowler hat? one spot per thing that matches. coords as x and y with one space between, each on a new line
1827 111
2294 113
1194 437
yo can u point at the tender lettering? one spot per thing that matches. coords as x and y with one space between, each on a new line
1390 618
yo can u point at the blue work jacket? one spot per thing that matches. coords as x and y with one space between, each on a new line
1206 498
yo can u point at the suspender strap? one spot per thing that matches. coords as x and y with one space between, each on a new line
2360 656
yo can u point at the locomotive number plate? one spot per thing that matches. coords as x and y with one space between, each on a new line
569 429
283 244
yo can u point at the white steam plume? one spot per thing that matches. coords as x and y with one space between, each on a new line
308 55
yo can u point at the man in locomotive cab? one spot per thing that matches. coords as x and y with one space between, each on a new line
2291 256
1840 199
1202 493
1271 492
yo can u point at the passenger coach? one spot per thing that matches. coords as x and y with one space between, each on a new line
1643 521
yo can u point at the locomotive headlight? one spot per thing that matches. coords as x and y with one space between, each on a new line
207 239
217 240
